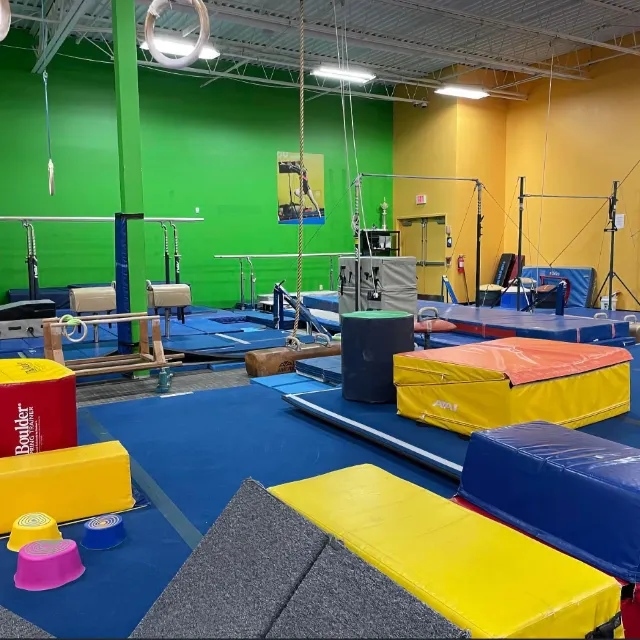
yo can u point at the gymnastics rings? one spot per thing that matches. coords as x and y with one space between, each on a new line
155 10
5 19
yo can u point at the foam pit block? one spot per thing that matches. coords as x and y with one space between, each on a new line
242 573
342 596
479 574
575 491
37 407
13 626
502 382
67 484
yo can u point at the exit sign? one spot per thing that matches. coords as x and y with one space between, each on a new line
422 199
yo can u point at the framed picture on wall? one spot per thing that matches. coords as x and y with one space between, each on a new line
289 174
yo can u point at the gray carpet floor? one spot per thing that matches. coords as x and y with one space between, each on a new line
345 597
241 575
13 626
103 392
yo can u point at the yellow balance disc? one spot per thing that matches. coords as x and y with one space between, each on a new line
30 528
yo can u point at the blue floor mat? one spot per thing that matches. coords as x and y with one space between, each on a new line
290 383
435 448
199 447
197 343
179 329
13 344
117 589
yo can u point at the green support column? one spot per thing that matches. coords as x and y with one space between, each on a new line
129 149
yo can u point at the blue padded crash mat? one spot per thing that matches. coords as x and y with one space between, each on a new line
502 323
581 279
573 490
327 302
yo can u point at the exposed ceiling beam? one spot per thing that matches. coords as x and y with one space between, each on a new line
372 41
431 7
612 7
67 23
284 83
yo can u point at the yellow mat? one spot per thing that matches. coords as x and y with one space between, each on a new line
503 382
478 573
67 484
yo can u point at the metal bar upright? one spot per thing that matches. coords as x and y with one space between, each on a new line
520 215
613 205
478 241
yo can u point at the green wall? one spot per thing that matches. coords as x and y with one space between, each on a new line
213 148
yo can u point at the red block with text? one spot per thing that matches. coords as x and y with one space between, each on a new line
37 407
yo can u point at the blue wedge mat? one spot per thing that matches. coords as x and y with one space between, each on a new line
581 279
325 303
330 323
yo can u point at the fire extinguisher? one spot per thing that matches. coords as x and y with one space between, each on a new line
461 264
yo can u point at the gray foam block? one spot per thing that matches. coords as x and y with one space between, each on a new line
13 626
241 575
343 596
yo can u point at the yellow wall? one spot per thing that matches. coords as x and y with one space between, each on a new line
453 138
593 139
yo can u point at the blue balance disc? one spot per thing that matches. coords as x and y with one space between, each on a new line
103 532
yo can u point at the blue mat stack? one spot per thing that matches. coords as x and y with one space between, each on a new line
327 369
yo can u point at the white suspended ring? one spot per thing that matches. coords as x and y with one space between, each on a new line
5 19
155 11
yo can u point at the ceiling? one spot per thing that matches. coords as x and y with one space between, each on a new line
419 42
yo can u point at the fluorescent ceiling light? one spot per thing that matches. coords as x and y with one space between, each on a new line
182 48
347 75
462 92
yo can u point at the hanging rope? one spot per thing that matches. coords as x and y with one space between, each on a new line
302 178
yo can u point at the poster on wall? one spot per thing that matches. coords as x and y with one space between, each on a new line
289 188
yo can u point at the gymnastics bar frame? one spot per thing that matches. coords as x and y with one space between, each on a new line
357 184
252 277
123 363
32 257
612 229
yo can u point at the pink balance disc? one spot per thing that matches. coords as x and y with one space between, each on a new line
48 564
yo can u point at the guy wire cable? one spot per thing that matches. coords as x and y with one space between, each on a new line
544 167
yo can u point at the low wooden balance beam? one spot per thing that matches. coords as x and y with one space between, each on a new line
123 363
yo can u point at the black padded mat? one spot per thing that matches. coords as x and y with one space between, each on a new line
241 575
343 596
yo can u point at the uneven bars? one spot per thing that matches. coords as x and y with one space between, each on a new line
283 255
89 219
